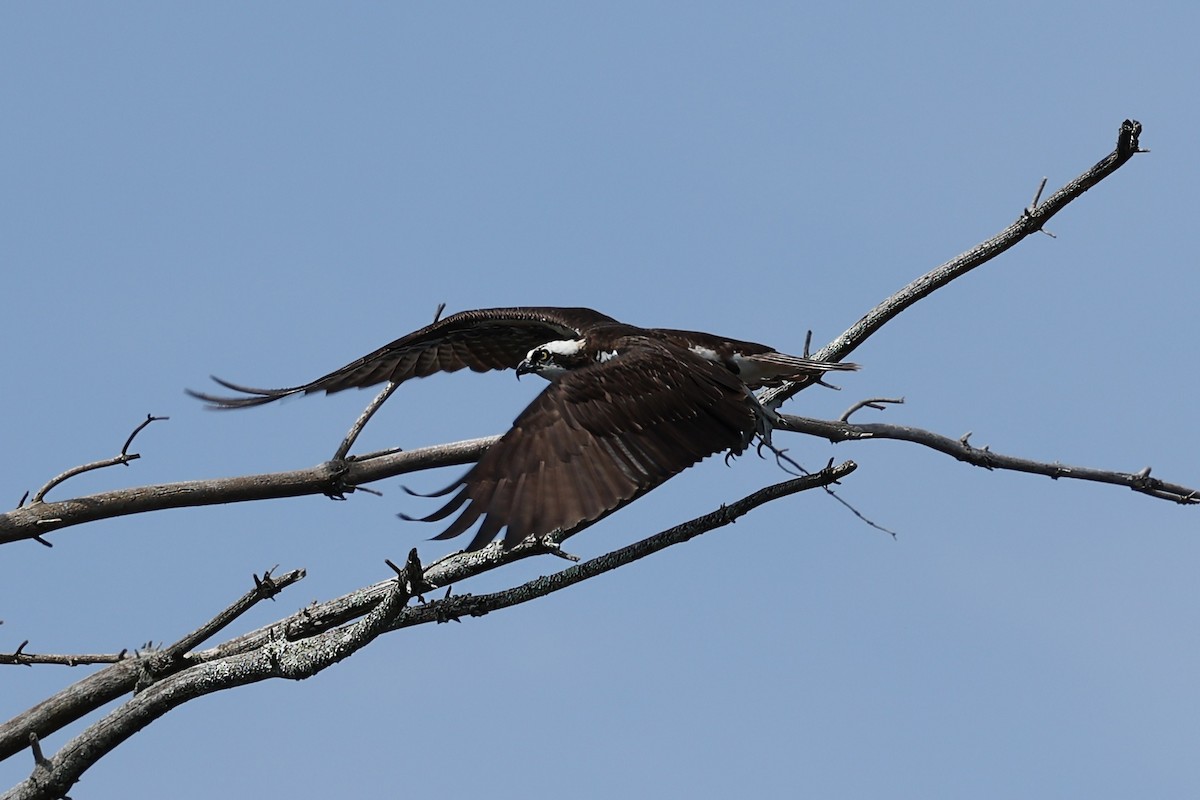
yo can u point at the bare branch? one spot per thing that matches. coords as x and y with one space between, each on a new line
478 605
19 657
1037 196
1030 221
68 705
292 660
877 403
265 588
986 458
284 656
37 519
30 522
99 689
124 457
357 428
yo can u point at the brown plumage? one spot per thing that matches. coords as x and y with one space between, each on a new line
483 340
627 408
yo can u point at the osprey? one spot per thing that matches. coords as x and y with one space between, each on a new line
627 408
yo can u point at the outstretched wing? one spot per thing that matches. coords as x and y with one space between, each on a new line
598 438
482 340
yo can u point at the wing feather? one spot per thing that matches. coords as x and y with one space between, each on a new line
482 340
600 437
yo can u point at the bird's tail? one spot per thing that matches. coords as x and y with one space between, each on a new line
802 364
251 396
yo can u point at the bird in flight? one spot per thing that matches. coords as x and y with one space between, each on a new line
627 408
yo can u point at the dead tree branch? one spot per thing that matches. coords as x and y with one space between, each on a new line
37 519
124 457
285 651
1031 221
34 520
130 671
19 657
984 457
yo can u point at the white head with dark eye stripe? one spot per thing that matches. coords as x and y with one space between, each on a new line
554 359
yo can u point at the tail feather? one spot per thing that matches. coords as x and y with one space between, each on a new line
253 396
772 368
803 363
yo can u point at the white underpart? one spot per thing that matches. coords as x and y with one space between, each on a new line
751 371
605 356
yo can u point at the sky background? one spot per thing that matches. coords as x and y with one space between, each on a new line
267 191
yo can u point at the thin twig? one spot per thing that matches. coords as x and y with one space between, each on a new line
20 658
35 745
1037 195
781 457
171 658
123 458
877 403
368 412
361 423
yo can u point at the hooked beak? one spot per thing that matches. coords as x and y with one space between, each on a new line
524 368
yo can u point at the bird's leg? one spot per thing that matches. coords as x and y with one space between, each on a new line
765 420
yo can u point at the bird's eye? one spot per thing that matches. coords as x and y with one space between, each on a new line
541 354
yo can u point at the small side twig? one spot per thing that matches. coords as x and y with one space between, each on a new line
171 658
781 457
412 575
360 423
19 657
1032 208
124 457
877 403
368 412
39 758
1037 196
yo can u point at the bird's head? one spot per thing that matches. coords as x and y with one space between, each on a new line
553 359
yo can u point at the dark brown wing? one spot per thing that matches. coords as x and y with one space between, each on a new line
598 438
487 339
756 364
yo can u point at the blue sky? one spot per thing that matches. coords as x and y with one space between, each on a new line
267 192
